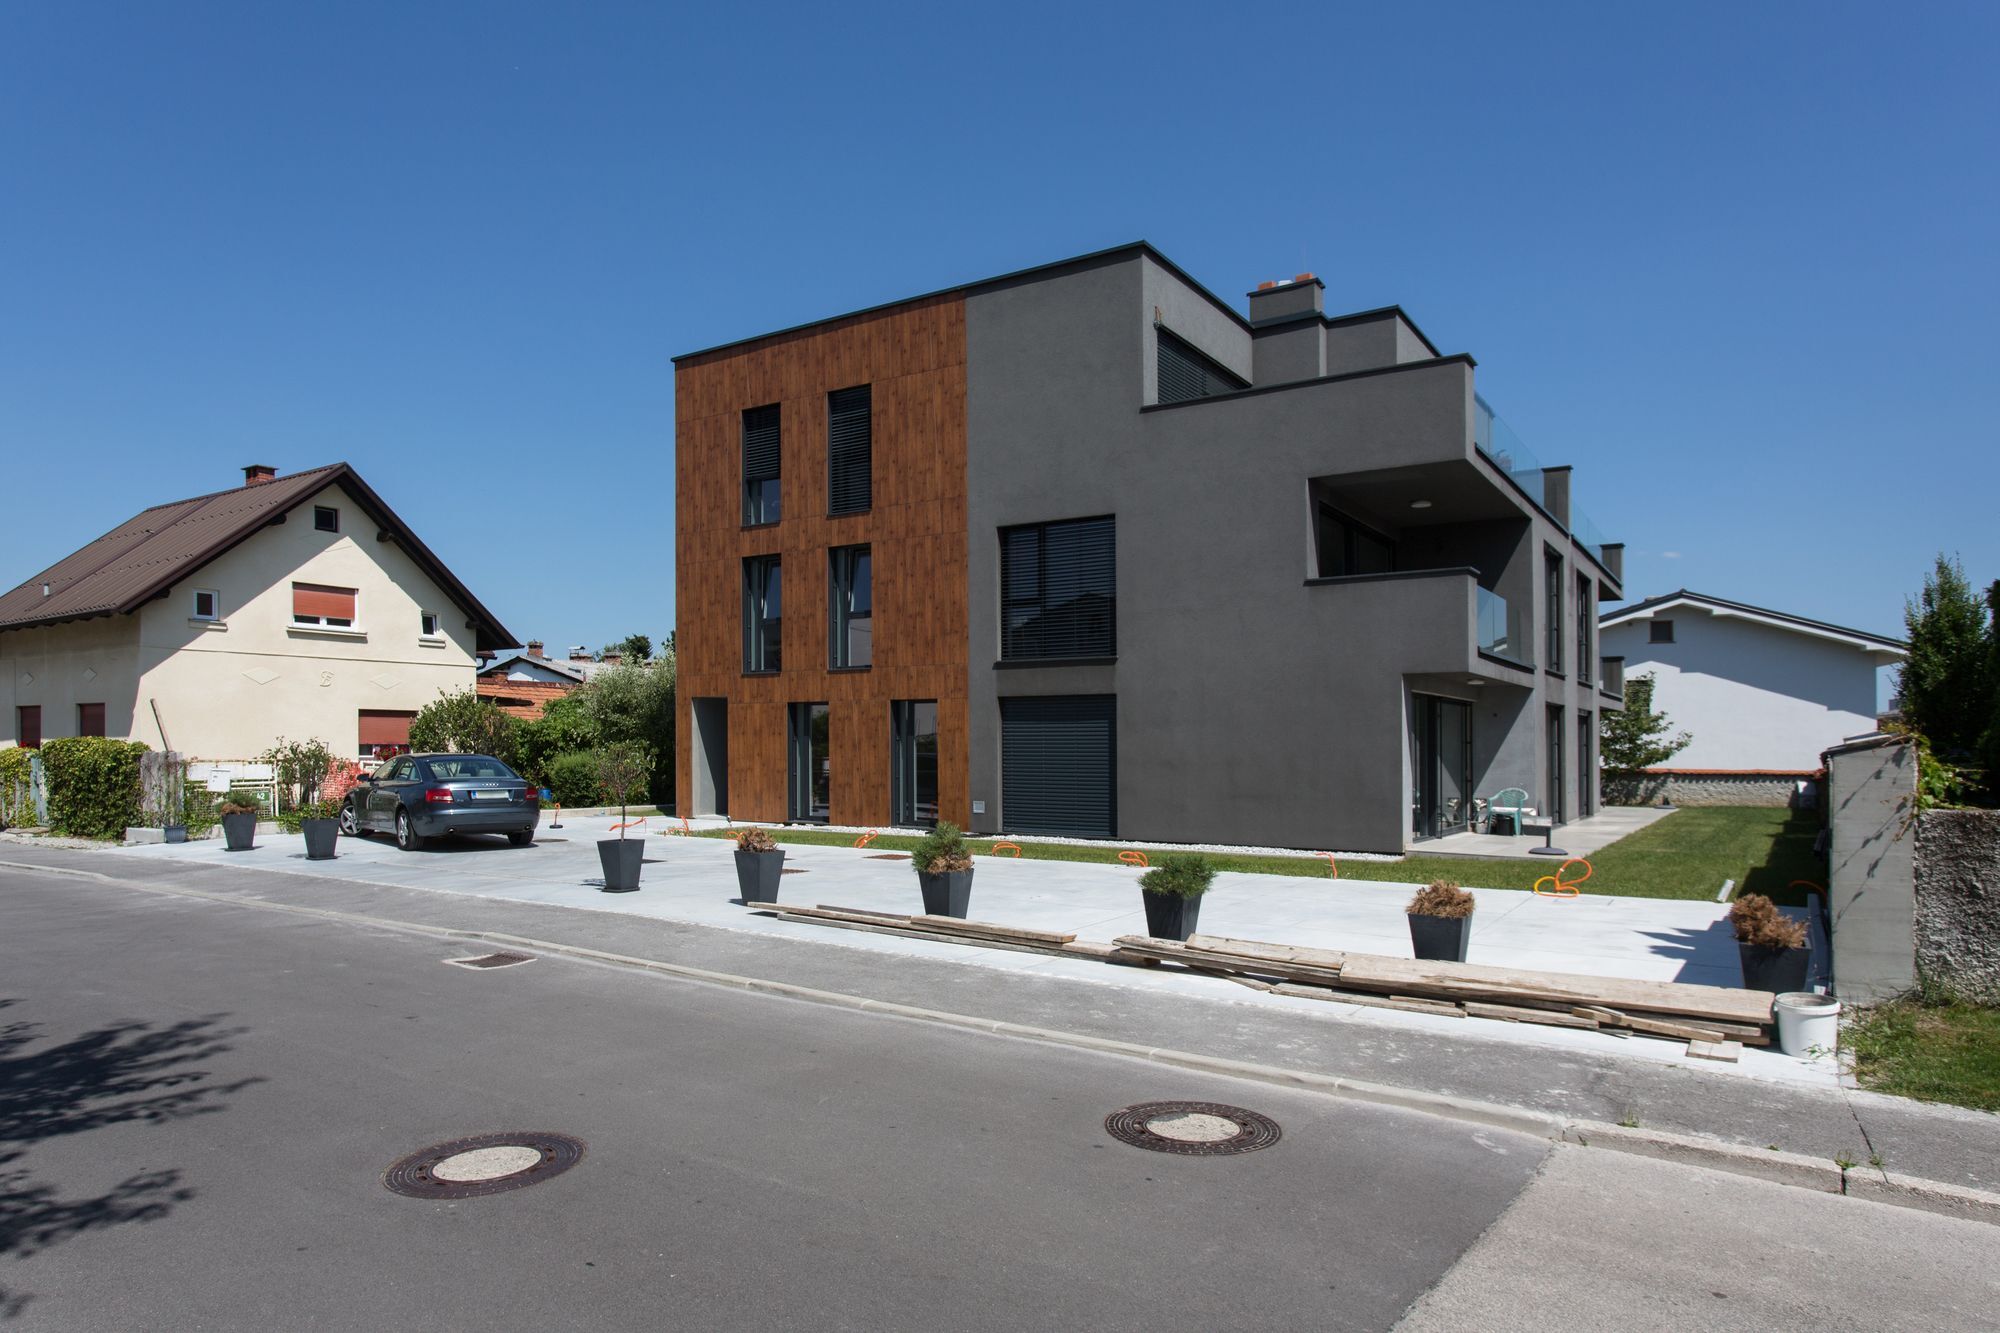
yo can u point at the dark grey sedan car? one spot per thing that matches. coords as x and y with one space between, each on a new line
421 796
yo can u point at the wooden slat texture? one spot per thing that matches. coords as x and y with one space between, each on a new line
1476 981
914 356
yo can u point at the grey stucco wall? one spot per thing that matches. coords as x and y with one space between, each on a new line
1958 902
1871 896
1252 707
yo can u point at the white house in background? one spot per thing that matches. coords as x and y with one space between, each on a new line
1762 692
297 606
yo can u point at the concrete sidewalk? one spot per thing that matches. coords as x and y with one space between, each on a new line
693 880
1450 1059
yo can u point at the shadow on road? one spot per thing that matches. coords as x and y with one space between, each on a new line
113 1075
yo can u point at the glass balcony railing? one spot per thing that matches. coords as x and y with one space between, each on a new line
1503 628
1586 533
1497 440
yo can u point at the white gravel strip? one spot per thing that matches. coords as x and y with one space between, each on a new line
1222 848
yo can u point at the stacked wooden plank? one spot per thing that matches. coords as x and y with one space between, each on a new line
1711 1014
946 929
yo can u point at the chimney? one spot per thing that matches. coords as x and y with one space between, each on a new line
613 659
579 653
1287 330
534 648
1287 299
258 473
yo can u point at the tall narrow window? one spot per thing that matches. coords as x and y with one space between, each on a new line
28 726
850 449
1186 373
913 762
1586 618
1554 812
90 719
763 614
1059 590
1346 547
323 606
1586 765
809 772
850 623
761 457
1552 608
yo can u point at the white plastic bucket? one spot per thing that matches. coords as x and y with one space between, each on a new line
1807 1019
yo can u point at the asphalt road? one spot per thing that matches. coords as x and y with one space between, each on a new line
198 1101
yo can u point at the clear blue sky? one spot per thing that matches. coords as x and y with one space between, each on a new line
1736 263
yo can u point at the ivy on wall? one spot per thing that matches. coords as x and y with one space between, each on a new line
93 785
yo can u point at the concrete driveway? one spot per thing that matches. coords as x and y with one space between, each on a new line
693 880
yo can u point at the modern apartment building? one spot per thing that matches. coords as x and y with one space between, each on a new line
1083 550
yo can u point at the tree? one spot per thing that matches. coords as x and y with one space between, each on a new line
635 705
464 723
1947 681
633 648
1636 737
1989 745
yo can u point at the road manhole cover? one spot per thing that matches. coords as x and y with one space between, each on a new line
502 959
1193 1129
485 1164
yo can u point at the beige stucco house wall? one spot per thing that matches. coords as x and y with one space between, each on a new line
227 688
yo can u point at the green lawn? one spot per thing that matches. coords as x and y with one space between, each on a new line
1686 855
1933 1052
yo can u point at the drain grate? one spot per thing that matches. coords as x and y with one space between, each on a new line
1192 1129
502 959
484 1164
888 856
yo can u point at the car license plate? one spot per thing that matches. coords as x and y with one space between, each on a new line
489 796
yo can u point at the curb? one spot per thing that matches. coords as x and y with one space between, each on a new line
1818 1174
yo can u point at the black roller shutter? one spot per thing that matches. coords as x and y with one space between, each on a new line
760 444
849 450
1059 765
1187 374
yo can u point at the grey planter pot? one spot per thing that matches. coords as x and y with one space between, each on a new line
322 835
239 832
947 893
758 875
1774 970
1440 938
1170 916
175 832
621 858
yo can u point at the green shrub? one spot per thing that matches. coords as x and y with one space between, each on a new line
1180 875
942 850
566 726
17 803
464 723
93 784
300 770
572 779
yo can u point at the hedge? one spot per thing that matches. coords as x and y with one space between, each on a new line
93 785
573 781
17 805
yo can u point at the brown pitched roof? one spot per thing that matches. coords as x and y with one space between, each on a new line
147 554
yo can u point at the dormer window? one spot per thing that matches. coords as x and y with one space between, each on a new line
326 518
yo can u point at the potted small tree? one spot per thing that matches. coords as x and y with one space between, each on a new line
621 770
1441 921
1774 947
944 871
239 825
1172 892
319 820
759 863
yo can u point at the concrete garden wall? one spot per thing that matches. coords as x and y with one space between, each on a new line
1958 901
1774 790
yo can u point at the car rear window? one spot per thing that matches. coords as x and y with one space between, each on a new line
470 766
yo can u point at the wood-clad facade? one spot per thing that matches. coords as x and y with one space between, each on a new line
913 356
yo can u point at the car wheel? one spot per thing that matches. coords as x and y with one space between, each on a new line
520 839
349 828
406 834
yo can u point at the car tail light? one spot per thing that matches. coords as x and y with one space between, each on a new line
438 796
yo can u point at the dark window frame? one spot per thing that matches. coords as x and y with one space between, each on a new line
83 725
1554 598
22 713
1086 560
1183 373
1356 539
763 465
763 633
1659 631
842 562
214 611
1586 619
326 518
850 450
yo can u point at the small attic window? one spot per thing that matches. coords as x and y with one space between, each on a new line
207 604
1662 631
326 518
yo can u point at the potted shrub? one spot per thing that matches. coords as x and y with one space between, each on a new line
319 820
1773 946
621 770
944 871
1441 921
239 825
759 864
1172 892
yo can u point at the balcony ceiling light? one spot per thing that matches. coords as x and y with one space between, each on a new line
1420 504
